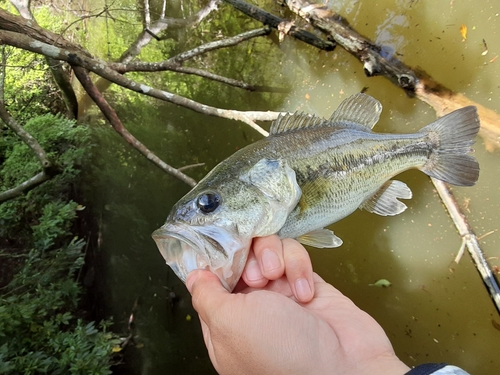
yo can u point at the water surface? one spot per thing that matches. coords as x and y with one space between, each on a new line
435 310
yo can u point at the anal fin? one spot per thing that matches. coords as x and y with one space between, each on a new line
320 238
385 201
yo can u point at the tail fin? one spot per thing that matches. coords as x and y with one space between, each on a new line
453 135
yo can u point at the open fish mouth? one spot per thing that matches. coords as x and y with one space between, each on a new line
187 248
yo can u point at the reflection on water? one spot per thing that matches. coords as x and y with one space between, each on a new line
435 310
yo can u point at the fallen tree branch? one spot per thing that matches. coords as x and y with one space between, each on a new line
415 83
116 123
276 22
177 60
469 240
161 25
75 58
151 29
25 136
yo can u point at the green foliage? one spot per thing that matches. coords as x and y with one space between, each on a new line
42 330
39 332
67 146
54 223
29 87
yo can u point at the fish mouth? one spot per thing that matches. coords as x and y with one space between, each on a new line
187 248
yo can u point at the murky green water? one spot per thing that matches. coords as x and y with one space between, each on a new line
435 310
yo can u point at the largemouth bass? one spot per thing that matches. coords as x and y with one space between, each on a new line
307 174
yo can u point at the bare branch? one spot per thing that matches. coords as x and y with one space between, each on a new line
469 240
23 7
276 23
139 66
23 188
47 169
147 15
228 81
101 68
25 136
15 126
161 25
163 9
116 123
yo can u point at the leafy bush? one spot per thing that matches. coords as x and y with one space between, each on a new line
66 144
42 330
39 332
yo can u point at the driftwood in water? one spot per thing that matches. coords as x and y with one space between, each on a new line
415 83
277 23
469 240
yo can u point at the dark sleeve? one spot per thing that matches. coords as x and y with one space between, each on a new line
436 369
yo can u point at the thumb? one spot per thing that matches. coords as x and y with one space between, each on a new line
207 292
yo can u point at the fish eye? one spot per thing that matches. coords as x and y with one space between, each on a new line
208 202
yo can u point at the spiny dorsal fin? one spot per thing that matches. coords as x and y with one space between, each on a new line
289 122
360 109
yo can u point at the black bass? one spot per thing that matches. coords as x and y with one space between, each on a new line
309 173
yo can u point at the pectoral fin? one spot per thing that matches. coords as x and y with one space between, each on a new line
385 201
276 180
320 238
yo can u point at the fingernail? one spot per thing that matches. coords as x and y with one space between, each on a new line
270 261
253 271
302 289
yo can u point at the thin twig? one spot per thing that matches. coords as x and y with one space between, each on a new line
24 187
469 240
190 166
228 81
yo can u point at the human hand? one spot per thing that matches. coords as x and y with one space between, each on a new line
264 329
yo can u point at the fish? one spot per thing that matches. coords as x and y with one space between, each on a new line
309 173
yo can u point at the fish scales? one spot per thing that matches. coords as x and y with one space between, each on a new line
309 173
337 170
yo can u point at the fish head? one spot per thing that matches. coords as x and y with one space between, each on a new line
212 226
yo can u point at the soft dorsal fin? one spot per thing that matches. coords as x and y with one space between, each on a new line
289 122
360 109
